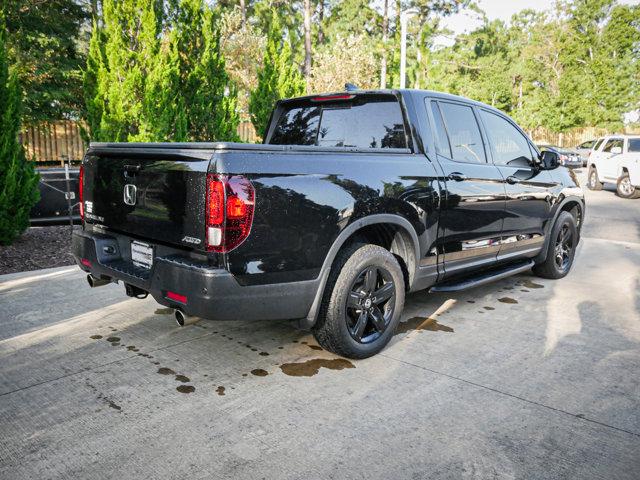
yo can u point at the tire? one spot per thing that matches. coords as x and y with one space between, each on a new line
625 189
561 249
592 179
362 302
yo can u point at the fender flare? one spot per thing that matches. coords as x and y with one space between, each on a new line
542 256
343 237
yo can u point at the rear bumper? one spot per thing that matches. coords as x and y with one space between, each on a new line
210 292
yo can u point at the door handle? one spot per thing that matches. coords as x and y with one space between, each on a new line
457 176
511 180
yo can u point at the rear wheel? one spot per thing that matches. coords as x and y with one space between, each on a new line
592 180
561 249
362 304
625 188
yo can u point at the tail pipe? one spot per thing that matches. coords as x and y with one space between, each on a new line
183 319
97 282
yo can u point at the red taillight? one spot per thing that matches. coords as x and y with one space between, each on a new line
81 191
215 200
86 262
176 297
230 206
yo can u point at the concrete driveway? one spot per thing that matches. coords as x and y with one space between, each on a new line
526 378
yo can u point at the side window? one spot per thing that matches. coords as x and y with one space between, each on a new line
464 133
442 141
509 146
587 144
634 145
614 142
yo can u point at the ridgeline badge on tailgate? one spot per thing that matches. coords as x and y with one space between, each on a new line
130 194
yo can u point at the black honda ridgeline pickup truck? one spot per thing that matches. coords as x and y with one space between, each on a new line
353 199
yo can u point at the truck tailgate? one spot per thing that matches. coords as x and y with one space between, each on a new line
150 194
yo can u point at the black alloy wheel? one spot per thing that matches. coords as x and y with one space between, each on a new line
370 304
564 248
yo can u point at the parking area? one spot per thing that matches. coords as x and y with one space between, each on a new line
524 378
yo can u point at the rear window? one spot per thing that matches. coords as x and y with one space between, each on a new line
634 145
375 122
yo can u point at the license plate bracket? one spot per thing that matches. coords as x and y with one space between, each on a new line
141 254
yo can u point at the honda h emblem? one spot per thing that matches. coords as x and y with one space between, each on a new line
130 194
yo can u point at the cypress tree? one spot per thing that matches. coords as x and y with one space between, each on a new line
18 181
144 85
209 96
278 78
122 54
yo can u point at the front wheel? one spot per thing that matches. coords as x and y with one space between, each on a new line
561 249
592 180
625 188
362 304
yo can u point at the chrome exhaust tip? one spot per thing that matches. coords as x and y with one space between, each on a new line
183 319
96 282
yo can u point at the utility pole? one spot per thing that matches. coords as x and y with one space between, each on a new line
404 19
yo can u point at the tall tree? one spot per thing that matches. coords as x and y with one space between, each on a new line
278 78
45 45
144 82
18 181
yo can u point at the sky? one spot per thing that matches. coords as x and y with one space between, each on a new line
502 9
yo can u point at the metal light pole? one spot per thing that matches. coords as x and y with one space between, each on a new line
404 19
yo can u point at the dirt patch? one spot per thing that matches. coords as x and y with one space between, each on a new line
27 252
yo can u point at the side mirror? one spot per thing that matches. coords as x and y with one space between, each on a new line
550 160
616 150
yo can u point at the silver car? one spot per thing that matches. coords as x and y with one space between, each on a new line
584 150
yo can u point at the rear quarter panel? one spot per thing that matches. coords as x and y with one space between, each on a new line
305 199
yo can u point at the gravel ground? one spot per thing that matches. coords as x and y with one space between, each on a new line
38 247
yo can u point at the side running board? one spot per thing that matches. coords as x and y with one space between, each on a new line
483 277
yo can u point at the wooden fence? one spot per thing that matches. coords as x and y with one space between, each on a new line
59 141
62 141
53 142
574 137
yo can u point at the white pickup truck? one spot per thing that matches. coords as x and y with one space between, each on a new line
616 159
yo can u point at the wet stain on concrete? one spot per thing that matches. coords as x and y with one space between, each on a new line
182 378
526 291
488 308
115 344
315 347
113 339
95 337
186 388
312 367
530 284
220 390
264 354
507 300
166 371
471 301
164 311
245 374
114 405
259 372
132 348
421 323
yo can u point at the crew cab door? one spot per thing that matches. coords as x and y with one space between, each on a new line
472 210
528 188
